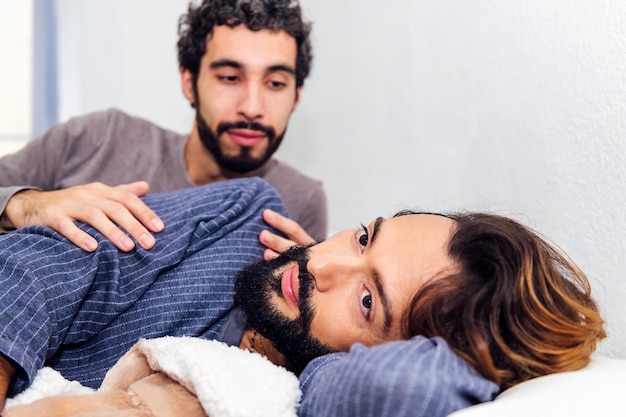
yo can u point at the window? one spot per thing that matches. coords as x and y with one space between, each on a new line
16 74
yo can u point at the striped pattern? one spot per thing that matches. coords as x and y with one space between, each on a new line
416 378
79 312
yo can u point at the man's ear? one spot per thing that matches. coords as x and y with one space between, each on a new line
186 85
297 100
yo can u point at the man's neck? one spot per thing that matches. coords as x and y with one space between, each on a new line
254 342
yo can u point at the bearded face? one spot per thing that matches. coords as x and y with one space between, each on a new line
260 142
244 161
256 288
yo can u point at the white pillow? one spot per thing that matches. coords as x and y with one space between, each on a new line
596 390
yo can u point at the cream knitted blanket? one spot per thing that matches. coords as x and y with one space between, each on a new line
228 381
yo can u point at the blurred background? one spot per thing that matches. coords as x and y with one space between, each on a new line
512 107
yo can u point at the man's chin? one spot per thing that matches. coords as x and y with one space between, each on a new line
298 355
241 165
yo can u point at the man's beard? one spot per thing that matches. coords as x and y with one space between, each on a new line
244 162
255 286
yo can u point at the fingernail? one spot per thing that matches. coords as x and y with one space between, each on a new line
147 240
90 245
157 223
270 214
266 237
126 243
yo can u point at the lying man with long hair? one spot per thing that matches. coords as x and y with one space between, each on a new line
484 292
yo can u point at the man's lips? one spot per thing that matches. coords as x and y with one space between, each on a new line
289 285
246 137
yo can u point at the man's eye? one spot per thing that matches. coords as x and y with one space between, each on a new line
366 302
363 236
276 85
228 78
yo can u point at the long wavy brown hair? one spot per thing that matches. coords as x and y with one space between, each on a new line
518 308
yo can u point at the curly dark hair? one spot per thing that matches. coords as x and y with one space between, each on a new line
517 309
275 15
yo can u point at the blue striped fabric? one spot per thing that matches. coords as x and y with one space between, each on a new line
416 378
79 312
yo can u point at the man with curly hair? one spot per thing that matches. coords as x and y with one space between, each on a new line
242 64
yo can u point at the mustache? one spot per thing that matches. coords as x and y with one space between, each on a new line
266 130
306 285
300 255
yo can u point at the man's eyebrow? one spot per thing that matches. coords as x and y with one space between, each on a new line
226 63
281 68
377 223
384 301
229 63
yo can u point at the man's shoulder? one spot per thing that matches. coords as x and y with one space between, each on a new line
103 116
115 126
420 374
229 198
112 116
305 196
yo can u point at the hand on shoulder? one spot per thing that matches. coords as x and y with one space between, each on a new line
99 205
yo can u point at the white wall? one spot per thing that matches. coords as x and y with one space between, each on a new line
508 106
123 54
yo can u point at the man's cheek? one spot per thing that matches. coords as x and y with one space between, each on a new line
328 332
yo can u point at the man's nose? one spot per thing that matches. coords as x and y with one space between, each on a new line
251 104
332 270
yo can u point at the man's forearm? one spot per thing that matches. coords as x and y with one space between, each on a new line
6 374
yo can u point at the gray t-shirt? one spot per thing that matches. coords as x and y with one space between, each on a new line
114 148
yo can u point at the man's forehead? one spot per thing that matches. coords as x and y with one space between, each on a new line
425 234
242 31
264 48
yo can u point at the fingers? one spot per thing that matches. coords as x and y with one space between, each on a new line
139 188
137 207
118 207
276 244
105 219
116 212
288 227
67 228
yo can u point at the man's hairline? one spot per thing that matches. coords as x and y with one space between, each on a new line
293 71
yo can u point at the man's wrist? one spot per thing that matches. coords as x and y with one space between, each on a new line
15 207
